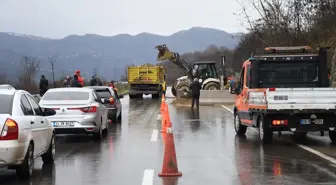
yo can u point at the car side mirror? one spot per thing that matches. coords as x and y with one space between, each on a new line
49 112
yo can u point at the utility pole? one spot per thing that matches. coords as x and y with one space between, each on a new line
114 72
223 72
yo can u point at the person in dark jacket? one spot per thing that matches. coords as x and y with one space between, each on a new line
95 81
75 82
195 87
43 85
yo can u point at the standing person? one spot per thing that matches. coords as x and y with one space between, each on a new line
93 81
80 78
67 82
195 87
75 82
43 85
112 84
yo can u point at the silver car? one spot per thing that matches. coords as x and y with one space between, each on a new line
114 106
78 111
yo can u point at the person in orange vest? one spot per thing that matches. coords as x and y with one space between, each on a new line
80 78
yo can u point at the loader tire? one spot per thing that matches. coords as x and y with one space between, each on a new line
211 86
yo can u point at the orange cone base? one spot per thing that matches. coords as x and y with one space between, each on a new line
177 174
163 131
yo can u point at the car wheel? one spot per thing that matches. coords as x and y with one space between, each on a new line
119 117
98 135
265 133
25 171
239 128
49 156
332 136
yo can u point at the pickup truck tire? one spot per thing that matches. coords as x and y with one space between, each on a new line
332 136
265 133
239 128
132 96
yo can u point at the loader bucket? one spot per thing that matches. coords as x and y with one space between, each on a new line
164 53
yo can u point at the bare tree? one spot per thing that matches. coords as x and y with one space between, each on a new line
3 78
52 59
30 66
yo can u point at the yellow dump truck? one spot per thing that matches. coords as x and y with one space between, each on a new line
146 79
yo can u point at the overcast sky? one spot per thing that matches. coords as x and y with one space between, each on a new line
59 18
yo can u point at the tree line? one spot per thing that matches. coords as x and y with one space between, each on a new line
277 23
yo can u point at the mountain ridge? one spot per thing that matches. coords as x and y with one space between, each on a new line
108 54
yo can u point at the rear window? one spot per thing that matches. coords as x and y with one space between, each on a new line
66 95
6 103
289 74
105 93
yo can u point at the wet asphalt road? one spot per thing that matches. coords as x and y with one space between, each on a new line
208 151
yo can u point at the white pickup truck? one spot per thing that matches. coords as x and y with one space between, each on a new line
282 93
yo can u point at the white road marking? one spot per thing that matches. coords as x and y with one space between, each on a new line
330 159
159 117
227 108
148 177
155 134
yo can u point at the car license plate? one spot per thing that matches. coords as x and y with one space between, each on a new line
64 124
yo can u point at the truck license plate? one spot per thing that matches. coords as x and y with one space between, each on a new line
304 121
318 121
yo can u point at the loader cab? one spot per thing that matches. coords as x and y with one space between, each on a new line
204 70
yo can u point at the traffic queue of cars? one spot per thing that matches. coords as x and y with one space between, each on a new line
28 128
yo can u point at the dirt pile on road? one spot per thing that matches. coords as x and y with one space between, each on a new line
181 102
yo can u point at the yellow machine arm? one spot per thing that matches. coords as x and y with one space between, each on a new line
166 54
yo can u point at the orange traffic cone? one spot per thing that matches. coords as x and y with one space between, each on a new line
169 124
163 102
169 167
164 123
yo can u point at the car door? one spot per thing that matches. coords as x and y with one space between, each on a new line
102 109
28 111
117 100
41 120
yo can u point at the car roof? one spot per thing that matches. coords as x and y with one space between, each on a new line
74 89
8 89
97 87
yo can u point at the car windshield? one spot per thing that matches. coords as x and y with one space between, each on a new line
66 95
104 93
289 74
6 103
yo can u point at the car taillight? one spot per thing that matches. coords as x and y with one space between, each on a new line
112 101
271 89
85 109
10 130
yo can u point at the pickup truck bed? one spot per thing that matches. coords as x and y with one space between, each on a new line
297 109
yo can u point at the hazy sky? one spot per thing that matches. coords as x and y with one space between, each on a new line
59 18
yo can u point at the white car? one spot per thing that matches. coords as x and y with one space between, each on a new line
25 132
78 111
